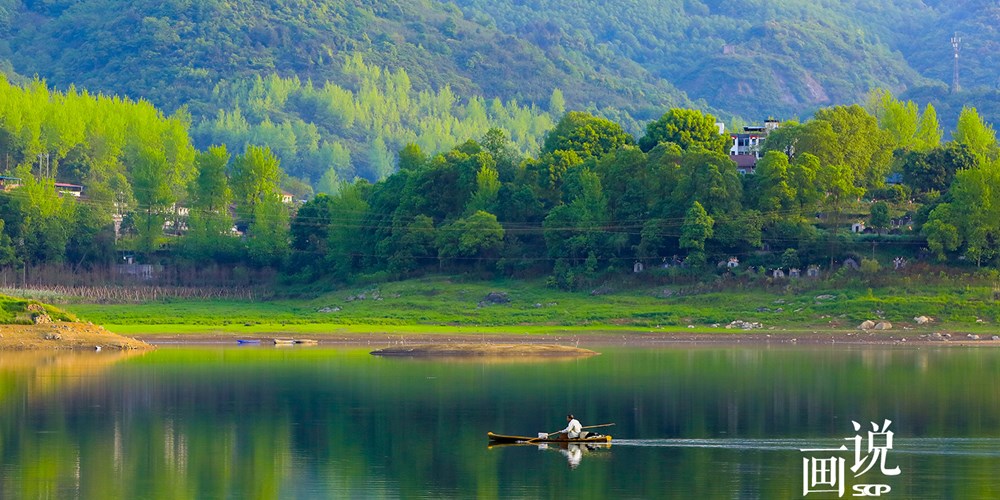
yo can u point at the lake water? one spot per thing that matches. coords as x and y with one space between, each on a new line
317 422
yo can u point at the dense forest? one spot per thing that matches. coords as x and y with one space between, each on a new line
337 88
594 200
323 134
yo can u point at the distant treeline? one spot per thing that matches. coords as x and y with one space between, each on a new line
324 133
593 200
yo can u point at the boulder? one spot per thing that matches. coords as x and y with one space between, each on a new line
744 325
867 325
922 320
883 325
41 318
972 336
495 298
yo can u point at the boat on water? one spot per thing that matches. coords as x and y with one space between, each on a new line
500 438
248 341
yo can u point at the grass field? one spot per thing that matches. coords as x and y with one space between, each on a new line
439 305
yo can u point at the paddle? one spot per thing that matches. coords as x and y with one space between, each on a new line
540 437
587 427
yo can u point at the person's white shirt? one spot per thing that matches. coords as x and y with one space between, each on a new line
573 429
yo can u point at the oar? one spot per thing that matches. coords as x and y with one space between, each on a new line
540 437
587 427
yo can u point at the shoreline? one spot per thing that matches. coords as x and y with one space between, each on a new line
589 339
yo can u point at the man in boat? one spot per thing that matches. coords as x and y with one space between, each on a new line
573 428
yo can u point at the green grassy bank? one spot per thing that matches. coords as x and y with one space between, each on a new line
439 305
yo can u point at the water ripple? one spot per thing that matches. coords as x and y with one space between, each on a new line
977 447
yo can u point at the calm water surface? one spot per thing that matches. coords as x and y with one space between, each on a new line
691 422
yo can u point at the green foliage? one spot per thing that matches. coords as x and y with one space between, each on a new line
254 176
687 128
18 311
586 135
972 219
859 143
975 134
696 229
355 126
879 219
935 170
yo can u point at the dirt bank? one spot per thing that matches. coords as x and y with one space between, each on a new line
64 335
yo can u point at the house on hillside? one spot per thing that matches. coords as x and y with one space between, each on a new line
8 183
746 146
64 189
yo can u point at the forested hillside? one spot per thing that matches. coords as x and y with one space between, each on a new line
749 58
327 133
174 52
335 87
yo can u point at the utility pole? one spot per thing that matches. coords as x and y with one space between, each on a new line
43 168
956 44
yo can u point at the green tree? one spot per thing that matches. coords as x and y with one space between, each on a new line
879 217
309 230
586 135
476 238
329 183
977 135
935 170
209 224
557 103
910 130
412 158
267 236
859 143
487 189
254 177
928 130
154 194
696 229
576 230
687 128
349 209
711 179
774 190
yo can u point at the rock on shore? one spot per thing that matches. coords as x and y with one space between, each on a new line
64 336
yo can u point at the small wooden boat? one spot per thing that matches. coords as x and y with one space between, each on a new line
500 438
247 341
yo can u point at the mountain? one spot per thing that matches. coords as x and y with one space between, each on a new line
174 52
628 60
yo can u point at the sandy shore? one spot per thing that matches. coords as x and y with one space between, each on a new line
64 336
